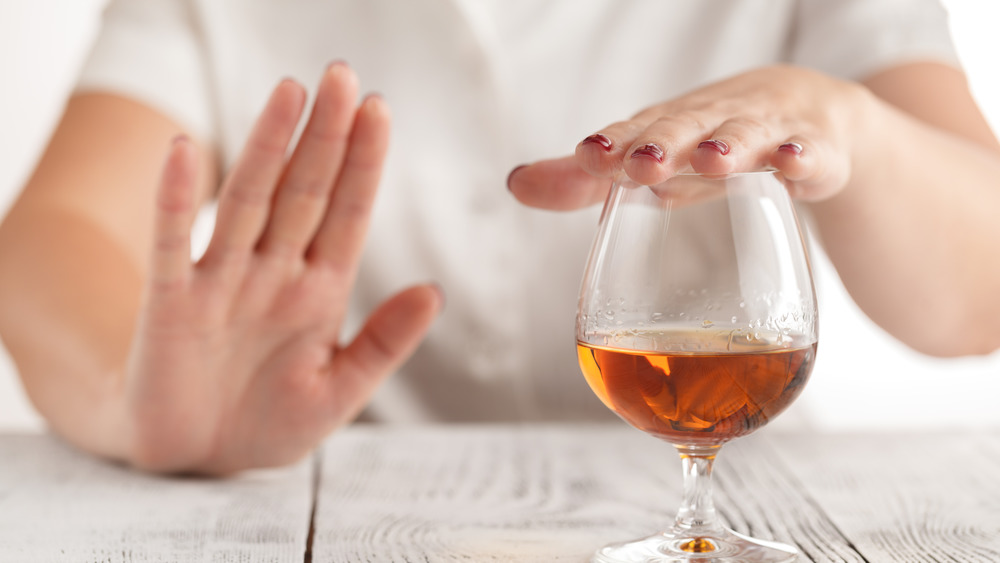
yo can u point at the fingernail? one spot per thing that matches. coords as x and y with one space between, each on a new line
336 63
649 150
716 144
512 172
793 148
598 139
300 90
181 138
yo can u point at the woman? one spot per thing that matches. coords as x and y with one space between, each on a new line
131 352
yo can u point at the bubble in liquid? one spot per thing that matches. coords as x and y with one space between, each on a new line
707 323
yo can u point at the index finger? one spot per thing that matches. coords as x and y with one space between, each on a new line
558 184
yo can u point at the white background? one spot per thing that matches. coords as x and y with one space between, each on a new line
863 378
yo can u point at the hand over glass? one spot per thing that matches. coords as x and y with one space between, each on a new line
697 325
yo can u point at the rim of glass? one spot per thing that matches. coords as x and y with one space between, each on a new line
621 176
727 174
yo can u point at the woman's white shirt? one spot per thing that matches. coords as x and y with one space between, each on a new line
477 87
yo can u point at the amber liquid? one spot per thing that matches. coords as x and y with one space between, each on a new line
701 398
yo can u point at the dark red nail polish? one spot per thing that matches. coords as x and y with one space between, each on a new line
649 150
512 172
793 148
716 144
599 139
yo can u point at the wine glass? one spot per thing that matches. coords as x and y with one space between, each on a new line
697 324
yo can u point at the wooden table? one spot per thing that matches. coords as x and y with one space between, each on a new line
506 493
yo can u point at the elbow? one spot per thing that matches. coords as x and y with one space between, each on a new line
952 349
964 334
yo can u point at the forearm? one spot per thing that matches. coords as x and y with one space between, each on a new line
914 235
73 254
67 329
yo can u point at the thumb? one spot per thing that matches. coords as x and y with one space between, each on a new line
557 184
388 338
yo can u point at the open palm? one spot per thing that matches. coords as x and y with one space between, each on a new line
236 361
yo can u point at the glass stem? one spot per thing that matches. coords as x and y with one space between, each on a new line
697 514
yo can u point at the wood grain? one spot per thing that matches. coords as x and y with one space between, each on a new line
507 493
906 498
536 493
58 505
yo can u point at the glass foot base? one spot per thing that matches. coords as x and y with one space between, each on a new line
723 546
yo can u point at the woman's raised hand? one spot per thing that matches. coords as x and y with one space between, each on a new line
793 119
237 359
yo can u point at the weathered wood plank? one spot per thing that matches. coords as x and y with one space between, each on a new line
57 504
535 493
507 493
756 495
906 498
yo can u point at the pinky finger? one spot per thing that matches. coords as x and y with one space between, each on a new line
812 170
175 213
792 160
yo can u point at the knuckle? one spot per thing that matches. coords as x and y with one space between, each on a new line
267 147
283 249
672 120
248 197
367 162
352 214
382 347
173 207
171 242
312 188
334 137
167 286
683 120
746 125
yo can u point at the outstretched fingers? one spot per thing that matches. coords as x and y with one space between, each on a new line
301 199
340 237
245 199
176 207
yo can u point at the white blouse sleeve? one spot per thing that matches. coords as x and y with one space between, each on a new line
151 51
855 39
